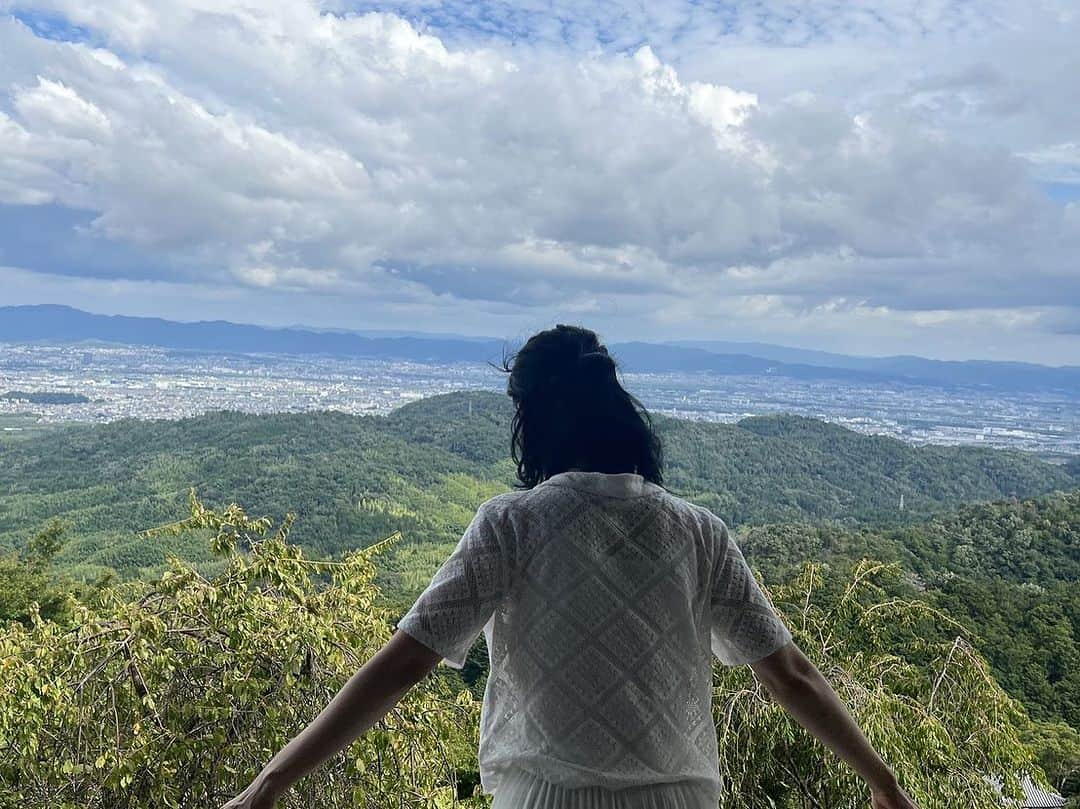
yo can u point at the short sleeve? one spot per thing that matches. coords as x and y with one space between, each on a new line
463 594
745 626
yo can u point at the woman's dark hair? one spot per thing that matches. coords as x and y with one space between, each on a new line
571 410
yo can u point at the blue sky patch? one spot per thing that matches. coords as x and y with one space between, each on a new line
1063 192
52 26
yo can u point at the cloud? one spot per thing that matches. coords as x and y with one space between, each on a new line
1058 162
416 155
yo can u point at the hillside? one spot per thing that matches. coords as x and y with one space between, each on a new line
1031 541
795 489
423 469
1007 571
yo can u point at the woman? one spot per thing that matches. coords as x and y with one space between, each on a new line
602 597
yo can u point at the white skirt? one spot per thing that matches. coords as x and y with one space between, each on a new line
519 789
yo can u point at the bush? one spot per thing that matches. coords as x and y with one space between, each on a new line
175 692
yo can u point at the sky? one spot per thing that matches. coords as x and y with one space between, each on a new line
870 177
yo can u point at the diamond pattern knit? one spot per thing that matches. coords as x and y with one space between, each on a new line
602 598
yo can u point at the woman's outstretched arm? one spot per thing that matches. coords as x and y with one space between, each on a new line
362 701
796 684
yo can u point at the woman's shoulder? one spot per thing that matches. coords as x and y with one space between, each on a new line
550 501
523 499
504 501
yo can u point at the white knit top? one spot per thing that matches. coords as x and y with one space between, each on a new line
602 598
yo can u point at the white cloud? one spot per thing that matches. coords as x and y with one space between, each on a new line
275 146
53 108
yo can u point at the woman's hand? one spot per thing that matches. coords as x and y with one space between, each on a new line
258 795
892 798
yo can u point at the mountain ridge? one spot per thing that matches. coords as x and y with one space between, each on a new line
55 323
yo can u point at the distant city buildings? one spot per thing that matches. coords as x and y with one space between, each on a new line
150 383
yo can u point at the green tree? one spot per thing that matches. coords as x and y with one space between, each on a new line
1057 748
27 583
173 693
925 698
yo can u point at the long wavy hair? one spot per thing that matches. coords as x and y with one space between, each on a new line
571 411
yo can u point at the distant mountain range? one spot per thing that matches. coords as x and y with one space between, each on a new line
49 323
1008 375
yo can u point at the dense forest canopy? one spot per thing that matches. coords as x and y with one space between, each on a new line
422 468
1008 571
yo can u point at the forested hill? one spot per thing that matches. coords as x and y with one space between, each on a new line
773 468
424 468
1007 571
1034 541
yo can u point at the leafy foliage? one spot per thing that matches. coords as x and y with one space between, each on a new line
785 468
27 583
914 683
1031 635
1035 540
1057 749
239 619
1007 571
175 692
